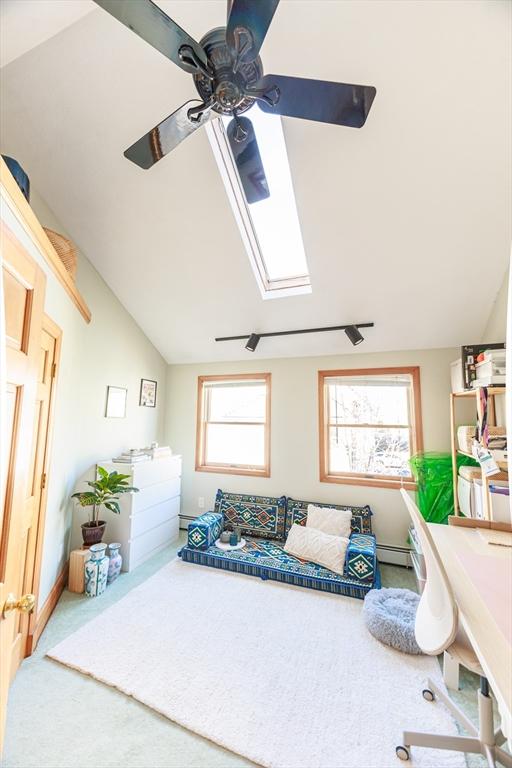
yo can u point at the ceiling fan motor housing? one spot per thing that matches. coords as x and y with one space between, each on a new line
227 87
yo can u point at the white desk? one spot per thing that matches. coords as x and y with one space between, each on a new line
481 578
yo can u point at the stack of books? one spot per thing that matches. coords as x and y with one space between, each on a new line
131 457
135 455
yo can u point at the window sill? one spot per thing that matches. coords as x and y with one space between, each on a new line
235 471
375 482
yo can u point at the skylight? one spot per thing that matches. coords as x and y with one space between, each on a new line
269 228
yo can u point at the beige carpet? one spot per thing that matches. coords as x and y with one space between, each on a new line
284 676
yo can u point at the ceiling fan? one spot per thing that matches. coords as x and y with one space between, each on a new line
228 76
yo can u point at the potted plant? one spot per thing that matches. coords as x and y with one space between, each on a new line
105 492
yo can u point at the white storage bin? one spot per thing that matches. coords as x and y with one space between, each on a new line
465 437
495 356
478 493
419 570
466 496
500 503
469 473
490 368
457 377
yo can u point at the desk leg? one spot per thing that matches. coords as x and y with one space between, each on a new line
450 672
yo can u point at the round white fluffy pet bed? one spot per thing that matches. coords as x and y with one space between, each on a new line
390 615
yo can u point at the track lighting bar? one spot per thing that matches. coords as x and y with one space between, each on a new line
352 331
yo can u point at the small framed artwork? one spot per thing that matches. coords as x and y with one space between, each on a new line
147 393
116 403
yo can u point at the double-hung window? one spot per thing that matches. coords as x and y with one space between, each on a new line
370 425
233 424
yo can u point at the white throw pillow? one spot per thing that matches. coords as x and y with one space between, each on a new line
318 547
335 522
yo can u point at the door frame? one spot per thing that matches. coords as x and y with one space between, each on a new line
40 615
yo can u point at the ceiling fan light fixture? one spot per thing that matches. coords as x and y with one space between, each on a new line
228 76
252 342
354 335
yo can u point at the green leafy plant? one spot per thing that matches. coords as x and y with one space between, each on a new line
105 492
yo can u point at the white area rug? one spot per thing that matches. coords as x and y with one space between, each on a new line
287 677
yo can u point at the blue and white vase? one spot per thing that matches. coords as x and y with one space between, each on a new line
96 571
115 562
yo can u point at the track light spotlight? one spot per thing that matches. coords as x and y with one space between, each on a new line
352 332
252 342
354 335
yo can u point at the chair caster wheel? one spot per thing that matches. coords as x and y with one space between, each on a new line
402 753
427 694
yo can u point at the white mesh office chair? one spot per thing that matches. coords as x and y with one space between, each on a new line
437 629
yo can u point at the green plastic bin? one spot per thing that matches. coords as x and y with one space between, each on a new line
433 474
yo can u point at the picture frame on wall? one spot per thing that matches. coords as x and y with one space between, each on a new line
148 393
116 403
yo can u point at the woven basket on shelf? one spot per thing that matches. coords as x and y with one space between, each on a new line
66 251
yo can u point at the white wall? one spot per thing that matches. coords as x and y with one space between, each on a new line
496 328
294 438
110 350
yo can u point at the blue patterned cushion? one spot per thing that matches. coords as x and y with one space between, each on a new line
204 530
297 512
268 560
262 516
361 558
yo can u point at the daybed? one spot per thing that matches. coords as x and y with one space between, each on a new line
265 522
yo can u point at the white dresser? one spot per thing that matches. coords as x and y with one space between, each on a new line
149 519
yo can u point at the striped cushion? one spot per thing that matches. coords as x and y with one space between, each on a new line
262 516
297 512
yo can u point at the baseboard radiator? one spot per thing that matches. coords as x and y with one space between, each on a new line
386 553
185 520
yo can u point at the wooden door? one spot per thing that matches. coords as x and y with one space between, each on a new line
23 287
49 353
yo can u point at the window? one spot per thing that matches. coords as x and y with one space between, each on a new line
370 426
233 424
269 228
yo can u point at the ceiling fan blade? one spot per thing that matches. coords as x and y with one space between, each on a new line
149 22
326 102
242 140
165 136
248 22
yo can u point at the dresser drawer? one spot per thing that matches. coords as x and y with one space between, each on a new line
150 472
151 517
155 494
144 546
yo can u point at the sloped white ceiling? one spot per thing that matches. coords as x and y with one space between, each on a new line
406 222
27 23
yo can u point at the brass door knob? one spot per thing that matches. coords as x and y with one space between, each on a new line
25 604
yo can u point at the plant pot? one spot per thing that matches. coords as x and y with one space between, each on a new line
92 533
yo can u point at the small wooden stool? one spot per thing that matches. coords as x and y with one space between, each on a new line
77 561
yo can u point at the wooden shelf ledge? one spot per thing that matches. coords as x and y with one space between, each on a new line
472 392
30 223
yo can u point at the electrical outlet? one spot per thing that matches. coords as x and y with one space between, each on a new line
200 502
